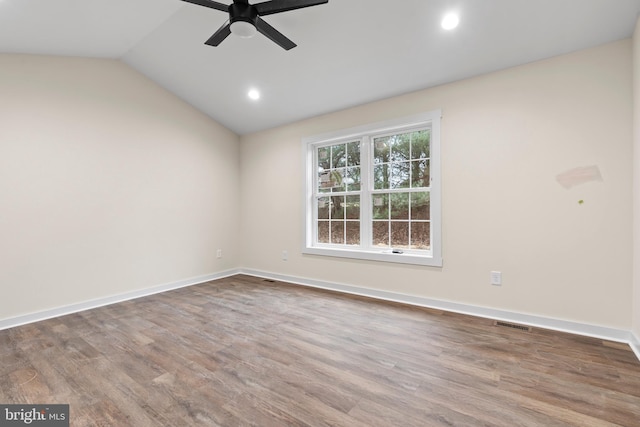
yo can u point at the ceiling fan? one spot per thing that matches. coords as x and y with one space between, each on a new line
245 19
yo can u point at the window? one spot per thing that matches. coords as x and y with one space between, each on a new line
374 192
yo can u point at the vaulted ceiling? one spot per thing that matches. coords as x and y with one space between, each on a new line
349 51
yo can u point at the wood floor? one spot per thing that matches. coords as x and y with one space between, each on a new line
246 352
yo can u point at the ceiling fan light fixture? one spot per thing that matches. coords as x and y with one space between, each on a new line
243 29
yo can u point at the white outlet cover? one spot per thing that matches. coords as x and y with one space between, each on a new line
496 278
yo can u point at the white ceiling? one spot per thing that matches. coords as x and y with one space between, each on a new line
349 51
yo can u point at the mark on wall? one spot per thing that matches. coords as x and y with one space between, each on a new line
578 176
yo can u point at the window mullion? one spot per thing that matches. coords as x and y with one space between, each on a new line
366 172
312 179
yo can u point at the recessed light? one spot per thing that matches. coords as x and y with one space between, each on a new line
450 21
254 94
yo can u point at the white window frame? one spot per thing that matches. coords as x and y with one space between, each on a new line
363 133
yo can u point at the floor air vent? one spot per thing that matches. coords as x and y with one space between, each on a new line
269 280
512 325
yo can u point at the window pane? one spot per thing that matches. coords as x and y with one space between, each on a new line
420 144
400 175
323 159
323 232
400 206
353 179
381 177
337 180
331 180
399 234
337 207
353 207
420 176
381 233
324 181
420 206
337 232
381 150
353 233
400 147
380 206
338 156
420 235
323 207
353 153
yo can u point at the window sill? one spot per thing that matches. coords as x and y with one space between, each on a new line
384 256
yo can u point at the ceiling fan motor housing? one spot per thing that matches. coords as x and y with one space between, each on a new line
243 12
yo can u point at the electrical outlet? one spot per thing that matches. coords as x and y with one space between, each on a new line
285 255
496 278
219 253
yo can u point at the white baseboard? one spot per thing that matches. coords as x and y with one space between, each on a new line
74 308
577 328
634 342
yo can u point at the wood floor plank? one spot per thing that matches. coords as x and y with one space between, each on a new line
242 351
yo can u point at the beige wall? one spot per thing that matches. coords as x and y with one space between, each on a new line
505 137
636 182
108 184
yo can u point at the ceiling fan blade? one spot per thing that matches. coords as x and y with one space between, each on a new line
277 6
222 33
211 4
273 34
